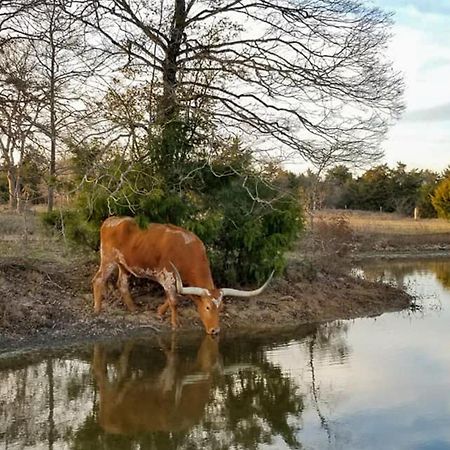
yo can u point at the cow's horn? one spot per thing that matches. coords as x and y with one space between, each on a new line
186 290
239 293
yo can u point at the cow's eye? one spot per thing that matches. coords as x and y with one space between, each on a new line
208 307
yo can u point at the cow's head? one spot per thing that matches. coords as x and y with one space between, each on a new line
209 302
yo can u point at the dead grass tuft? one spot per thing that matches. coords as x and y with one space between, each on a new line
16 225
23 235
327 247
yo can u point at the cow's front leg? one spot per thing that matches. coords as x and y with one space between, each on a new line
162 309
172 300
167 281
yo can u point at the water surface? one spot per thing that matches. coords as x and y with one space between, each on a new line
378 383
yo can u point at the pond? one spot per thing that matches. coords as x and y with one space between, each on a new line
373 383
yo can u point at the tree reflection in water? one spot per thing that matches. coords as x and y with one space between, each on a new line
400 271
328 339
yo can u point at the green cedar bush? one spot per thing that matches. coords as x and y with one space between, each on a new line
246 224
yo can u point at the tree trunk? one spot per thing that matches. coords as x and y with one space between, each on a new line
12 187
168 104
51 404
52 106
52 168
171 139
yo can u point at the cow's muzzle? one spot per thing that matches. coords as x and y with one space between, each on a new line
214 331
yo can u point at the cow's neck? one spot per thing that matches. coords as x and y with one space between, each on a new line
200 277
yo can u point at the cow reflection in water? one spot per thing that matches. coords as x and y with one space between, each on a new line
173 400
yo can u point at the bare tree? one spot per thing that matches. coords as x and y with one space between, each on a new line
302 76
64 63
21 101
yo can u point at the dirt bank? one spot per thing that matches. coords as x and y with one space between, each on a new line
51 303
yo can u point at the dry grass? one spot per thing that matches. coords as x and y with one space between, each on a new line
24 235
385 223
15 224
383 230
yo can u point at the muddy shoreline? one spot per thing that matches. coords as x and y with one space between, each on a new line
50 305
424 252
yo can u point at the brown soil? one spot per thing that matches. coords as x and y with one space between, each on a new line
51 303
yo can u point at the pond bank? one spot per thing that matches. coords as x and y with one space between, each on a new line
421 253
43 304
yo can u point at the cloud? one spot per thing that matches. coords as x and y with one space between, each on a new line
419 144
440 7
437 63
434 114
419 49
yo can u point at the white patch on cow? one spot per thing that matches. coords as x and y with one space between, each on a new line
166 279
217 301
114 221
188 237
143 273
133 270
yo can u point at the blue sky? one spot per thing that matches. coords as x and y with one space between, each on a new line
420 49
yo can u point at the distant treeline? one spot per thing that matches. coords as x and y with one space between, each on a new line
379 188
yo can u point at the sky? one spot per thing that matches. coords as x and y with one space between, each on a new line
420 49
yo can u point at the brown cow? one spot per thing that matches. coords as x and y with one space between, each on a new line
172 400
170 255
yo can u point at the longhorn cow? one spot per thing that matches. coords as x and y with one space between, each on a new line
170 255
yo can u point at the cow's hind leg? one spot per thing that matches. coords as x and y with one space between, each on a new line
122 285
99 284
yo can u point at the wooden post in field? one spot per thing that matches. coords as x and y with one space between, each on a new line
416 213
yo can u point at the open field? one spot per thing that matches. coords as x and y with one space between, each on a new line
387 223
384 231
24 235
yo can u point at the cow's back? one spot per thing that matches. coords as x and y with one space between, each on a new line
154 247
124 241
116 233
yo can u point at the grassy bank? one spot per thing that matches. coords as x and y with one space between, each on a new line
45 292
